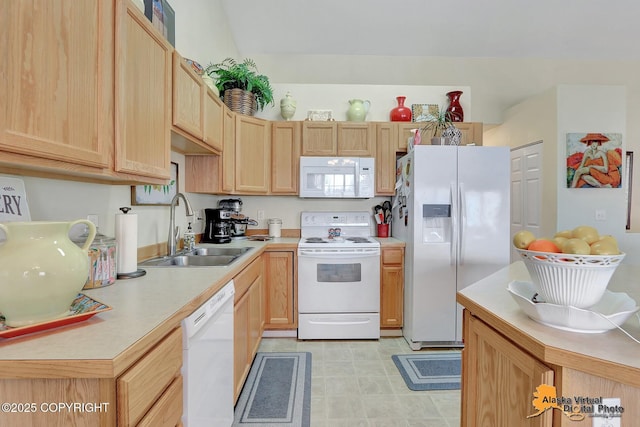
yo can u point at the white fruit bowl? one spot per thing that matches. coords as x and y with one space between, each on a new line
567 279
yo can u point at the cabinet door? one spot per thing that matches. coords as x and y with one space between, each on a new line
386 159
392 287
143 104
285 157
356 139
253 155
319 138
57 81
213 120
188 98
280 284
404 133
471 132
256 316
228 169
499 379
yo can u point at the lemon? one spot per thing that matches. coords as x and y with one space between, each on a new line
585 232
576 246
522 239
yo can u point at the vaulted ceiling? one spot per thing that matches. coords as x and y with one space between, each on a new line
570 29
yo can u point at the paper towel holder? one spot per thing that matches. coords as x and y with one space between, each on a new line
134 274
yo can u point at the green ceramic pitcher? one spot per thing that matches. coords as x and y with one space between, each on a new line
41 270
358 110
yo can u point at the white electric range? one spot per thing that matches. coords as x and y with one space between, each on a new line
338 276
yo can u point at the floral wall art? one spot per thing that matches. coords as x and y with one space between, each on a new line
594 160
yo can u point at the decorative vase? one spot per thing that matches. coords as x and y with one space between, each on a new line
41 270
210 83
358 110
400 113
453 134
454 110
287 107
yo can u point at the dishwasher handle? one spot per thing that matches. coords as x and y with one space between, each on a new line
196 320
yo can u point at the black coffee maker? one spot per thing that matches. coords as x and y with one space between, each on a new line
218 225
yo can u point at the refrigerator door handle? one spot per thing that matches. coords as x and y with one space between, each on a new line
453 245
463 222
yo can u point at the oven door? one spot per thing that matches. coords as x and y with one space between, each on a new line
339 280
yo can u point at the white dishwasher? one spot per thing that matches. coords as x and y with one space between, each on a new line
207 366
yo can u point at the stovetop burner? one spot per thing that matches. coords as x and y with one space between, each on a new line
315 240
358 239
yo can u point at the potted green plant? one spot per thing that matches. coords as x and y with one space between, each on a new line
243 89
435 128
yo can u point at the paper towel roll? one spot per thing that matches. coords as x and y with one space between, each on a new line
127 240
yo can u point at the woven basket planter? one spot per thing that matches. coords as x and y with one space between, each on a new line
240 101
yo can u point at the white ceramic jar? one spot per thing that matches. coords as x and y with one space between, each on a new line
275 227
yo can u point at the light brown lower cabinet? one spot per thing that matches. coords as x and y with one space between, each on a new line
391 287
280 274
248 320
497 377
148 393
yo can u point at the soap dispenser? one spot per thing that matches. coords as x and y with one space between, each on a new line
189 239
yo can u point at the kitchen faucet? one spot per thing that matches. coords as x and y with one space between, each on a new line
173 230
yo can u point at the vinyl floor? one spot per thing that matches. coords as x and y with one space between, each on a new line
355 383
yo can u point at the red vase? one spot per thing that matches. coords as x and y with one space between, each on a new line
401 113
454 110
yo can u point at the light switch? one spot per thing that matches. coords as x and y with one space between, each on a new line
601 215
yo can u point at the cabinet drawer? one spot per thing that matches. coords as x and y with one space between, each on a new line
168 409
144 382
392 256
244 280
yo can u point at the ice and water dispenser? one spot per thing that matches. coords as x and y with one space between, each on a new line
436 223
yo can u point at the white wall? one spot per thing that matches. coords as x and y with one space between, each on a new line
534 119
593 109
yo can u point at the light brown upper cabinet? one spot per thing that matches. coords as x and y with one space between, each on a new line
386 159
285 157
356 139
82 96
57 83
197 111
471 133
143 95
253 155
188 98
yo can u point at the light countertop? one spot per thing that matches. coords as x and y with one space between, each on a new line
615 353
143 309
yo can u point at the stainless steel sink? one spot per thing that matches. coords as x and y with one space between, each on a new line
200 257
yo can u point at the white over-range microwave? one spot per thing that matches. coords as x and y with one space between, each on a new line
337 177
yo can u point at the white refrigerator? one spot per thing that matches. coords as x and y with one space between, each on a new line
452 208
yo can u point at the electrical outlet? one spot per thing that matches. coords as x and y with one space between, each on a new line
607 407
601 215
260 215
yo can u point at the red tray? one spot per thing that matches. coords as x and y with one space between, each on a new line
82 308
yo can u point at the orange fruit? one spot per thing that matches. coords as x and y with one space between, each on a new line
543 245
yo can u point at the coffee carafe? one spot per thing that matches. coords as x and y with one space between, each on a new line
217 226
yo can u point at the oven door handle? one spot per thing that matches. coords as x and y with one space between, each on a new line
324 254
